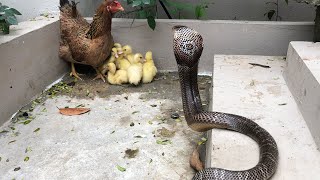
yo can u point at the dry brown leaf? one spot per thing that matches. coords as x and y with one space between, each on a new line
73 111
195 161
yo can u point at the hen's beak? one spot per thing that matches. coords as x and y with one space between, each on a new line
120 8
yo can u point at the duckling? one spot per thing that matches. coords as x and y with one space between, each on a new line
149 69
127 51
122 63
114 55
135 69
103 68
116 76
118 46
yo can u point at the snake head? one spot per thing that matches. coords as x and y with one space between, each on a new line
187 45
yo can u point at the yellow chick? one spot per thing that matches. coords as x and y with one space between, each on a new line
149 69
118 46
135 69
127 51
122 63
116 76
114 54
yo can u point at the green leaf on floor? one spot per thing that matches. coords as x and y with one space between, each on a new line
135 112
26 159
203 140
28 149
36 130
4 131
80 105
12 141
122 169
164 142
26 122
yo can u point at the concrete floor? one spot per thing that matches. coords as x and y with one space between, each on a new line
122 119
262 95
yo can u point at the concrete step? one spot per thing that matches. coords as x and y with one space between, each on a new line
262 95
302 74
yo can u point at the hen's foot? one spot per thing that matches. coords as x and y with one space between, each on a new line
74 72
195 161
99 76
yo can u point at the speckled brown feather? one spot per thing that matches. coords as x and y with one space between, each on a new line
91 51
188 46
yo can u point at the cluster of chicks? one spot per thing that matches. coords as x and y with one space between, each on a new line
125 67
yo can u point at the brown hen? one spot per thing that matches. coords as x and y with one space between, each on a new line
85 43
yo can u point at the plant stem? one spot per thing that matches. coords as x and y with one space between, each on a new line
277 15
316 36
165 9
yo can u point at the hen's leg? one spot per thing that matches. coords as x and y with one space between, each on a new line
99 75
65 54
74 72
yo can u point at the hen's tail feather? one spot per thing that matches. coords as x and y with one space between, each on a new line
74 9
64 2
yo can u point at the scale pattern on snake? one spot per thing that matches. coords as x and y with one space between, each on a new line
188 46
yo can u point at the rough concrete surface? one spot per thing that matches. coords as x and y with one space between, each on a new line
29 63
302 74
121 129
262 95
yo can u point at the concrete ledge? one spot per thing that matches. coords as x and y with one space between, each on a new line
302 75
29 63
262 95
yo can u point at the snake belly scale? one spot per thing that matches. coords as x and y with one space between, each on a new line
187 47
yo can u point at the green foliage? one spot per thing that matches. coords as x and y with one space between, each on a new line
7 17
148 9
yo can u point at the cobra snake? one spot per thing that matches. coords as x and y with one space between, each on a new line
188 46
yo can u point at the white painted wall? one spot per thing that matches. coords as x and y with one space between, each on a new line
33 8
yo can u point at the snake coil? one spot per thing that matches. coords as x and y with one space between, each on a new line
188 46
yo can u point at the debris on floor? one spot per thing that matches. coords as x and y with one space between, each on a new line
129 133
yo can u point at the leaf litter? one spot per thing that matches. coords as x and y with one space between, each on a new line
73 111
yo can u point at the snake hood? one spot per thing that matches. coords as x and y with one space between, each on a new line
189 42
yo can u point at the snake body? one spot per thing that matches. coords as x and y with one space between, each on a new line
188 46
